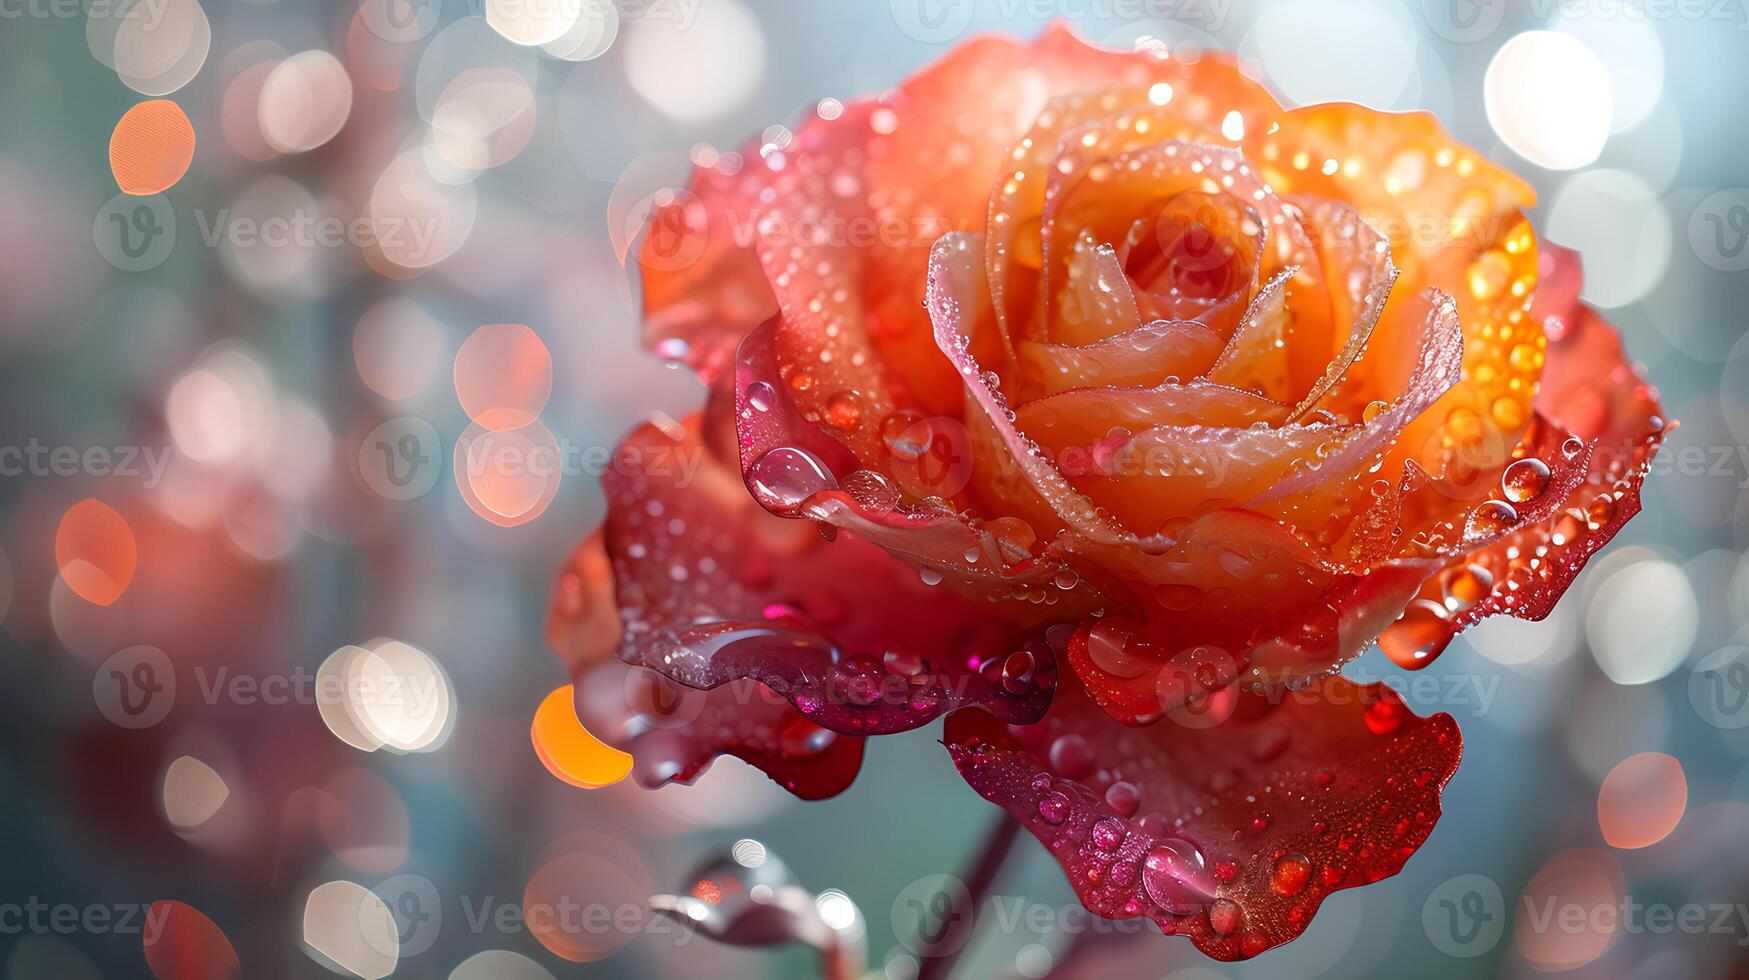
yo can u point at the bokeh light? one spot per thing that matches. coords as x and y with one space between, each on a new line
1548 98
180 942
1642 800
95 551
503 376
567 749
151 148
192 792
304 101
1642 622
350 929
702 71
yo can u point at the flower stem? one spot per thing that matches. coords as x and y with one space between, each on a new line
979 878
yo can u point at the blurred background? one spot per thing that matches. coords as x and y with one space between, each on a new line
235 389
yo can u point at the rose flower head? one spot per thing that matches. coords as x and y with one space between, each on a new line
1098 402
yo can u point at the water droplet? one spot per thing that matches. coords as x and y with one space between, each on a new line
1601 509
1373 409
1108 834
802 737
1224 917
1292 872
860 678
1067 579
906 434
1491 518
1386 715
930 575
785 477
1572 447
1123 797
1569 527
1176 876
1236 565
1525 480
1071 756
761 395
844 409
1466 586
1177 597
1054 807
905 663
1418 637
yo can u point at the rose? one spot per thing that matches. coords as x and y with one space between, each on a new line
1161 403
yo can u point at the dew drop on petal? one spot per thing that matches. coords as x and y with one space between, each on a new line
1418 636
783 478
1292 872
1525 480
1175 874
1491 518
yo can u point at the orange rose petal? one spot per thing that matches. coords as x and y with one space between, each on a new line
1453 221
1097 294
795 468
1179 471
1358 279
1147 355
1589 485
1084 416
1258 356
1315 494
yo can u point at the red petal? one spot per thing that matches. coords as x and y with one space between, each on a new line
674 732
1231 824
712 589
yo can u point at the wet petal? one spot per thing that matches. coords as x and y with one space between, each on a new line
674 732
711 589
1147 355
1230 825
1586 487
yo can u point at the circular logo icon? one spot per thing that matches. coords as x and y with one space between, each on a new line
932 916
932 21
1464 21
417 909
675 225
661 703
135 687
401 21
1718 230
1718 687
135 234
1465 916
401 458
